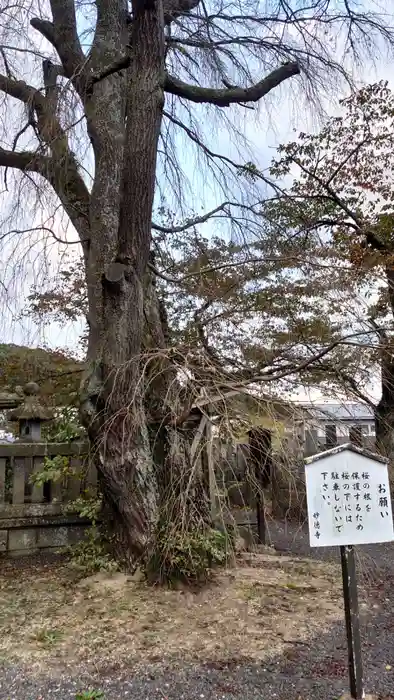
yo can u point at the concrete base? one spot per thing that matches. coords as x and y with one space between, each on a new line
347 696
18 541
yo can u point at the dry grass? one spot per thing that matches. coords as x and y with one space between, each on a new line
263 606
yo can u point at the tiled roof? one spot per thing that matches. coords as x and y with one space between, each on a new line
340 411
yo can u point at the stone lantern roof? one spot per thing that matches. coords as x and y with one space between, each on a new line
10 399
31 408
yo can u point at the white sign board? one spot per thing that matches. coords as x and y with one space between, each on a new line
348 495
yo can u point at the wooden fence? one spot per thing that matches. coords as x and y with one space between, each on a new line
252 491
284 491
34 517
237 477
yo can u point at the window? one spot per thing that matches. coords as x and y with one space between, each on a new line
356 435
331 435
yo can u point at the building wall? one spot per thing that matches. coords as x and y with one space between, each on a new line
367 427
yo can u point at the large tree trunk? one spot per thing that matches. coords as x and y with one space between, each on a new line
132 396
113 407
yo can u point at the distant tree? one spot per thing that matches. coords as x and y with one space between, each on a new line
237 314
57 375
341 206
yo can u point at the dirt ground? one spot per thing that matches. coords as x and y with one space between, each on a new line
266 604
271 628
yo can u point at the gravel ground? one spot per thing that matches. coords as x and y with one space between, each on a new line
373 561
306 671
180 684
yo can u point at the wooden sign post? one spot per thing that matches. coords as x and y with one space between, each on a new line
348 496
352 620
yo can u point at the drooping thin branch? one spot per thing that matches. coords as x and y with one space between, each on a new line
5 61
20 133
217 268
57 238
211 352
190 223
238 95
242 168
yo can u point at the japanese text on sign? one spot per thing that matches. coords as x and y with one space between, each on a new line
348 500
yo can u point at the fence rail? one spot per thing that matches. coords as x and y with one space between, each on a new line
35 516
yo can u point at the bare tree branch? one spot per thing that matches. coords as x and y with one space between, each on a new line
218 97
223 266
237 95
5 61
240 167
272 374
24 161
46 28
199 219
176 8
20 232
63 35
65 180
61 171
359 224
119 65
22 91
349 381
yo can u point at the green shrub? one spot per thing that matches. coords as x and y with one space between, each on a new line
65 427
53 469
91 555
187 557
87 506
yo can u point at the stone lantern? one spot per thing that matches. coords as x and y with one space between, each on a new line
31 414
